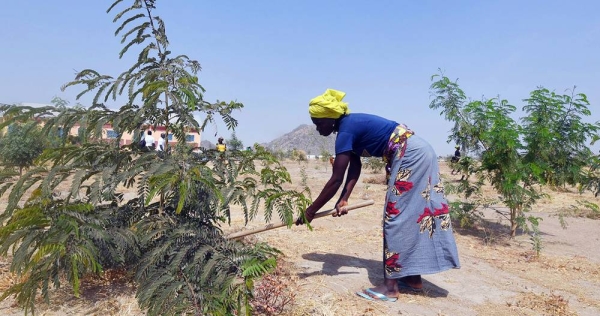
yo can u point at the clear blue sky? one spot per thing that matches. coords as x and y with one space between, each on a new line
275 55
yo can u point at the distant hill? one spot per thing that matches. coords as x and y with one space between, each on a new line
304 137
207 144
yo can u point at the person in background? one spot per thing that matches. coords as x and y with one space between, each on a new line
221 146
161 143
417 233
149 140
455 159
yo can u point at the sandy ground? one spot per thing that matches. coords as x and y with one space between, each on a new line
498 276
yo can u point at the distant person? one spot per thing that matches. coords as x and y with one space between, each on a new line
331 160
149 140
141 139
161 143
417 233
221 146
455 159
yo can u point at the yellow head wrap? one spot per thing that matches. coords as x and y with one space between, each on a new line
328 105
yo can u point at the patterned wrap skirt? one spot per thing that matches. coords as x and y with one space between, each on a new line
418 236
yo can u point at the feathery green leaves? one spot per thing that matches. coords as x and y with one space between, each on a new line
70 216
550 146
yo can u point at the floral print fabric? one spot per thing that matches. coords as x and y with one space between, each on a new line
417 231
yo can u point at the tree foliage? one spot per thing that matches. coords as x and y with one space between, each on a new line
550 146
557 136
592 176
21 145
298 155
235 143
374 164
169 234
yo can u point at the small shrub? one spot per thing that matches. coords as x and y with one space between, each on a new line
490 236
467 214
303 176
585 208
536 241
374 164
298 155
366 194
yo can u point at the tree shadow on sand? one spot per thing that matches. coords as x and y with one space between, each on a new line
332 263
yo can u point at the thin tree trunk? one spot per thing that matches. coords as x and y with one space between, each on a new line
513 223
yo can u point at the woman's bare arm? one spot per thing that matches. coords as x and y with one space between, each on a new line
331 187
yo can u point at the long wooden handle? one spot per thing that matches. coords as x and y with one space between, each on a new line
277 225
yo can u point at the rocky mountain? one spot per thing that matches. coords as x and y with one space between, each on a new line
207 144
304 137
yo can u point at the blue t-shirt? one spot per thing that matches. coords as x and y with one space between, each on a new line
365 135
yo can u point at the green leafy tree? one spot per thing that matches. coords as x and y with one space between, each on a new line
21 145
169 235
374 164
298 155
72 139
325 155
592 176
486 127
550 147
556 136
235 143
279 154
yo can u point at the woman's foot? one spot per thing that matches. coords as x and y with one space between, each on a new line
411 282
388 291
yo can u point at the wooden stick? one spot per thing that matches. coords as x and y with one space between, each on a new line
277 225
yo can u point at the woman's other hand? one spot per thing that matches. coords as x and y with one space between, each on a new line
308 214
340 209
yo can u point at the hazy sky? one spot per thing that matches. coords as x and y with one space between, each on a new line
275 55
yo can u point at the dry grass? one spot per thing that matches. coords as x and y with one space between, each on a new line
111 294
544 304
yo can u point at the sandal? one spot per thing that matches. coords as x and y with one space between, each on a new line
372 295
